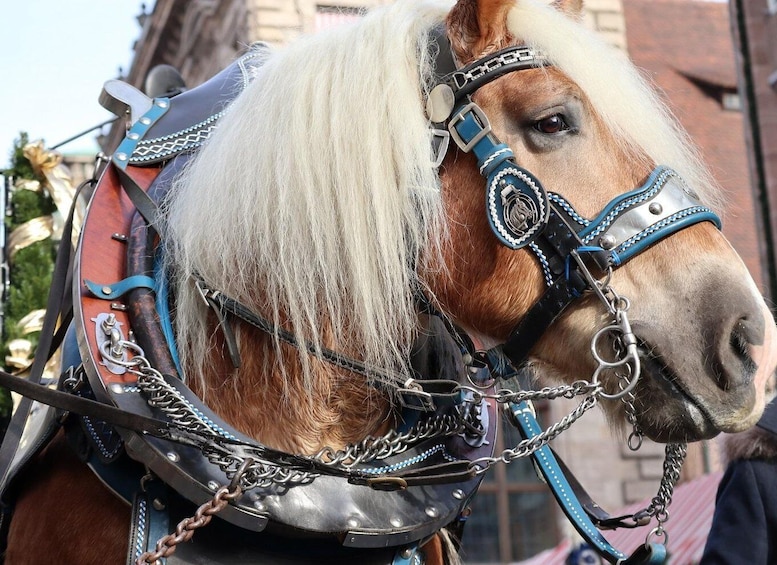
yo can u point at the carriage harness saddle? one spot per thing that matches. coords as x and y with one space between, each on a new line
124 404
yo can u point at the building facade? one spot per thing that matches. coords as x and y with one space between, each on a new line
754 26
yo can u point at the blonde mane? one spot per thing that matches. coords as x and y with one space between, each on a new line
313 198
316 197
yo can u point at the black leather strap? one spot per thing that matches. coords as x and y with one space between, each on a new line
142 201
557 242
445 64
59 310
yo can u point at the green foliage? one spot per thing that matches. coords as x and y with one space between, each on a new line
20 166
30 274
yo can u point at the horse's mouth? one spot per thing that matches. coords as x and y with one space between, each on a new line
682 416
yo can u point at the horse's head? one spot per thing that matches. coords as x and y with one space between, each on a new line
328 218
590 130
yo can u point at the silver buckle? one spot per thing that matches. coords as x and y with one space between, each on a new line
480 117
440 141
413 396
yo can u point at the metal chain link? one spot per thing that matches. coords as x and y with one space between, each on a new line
393 442
673 461
530 445
674 457
184 531
504 396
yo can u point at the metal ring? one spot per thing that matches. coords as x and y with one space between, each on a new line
603 364
635 441
658 532
626 391
137 360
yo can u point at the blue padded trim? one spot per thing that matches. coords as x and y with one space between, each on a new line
141 539
150 524
163 309
118 289
561 202
440 448
626 200
664 228
543 263
559 486
497 164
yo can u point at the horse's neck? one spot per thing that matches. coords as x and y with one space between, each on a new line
282 409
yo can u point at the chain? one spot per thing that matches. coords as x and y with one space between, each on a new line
673 462
636 436
184 531
530 445
394 442
504 396
675 455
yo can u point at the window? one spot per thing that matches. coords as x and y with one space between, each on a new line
771 6
731 101
513 513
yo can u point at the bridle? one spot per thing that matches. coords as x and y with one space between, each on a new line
521 213
570 250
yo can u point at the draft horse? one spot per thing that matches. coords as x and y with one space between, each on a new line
305 291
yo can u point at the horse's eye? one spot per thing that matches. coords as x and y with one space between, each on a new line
551 124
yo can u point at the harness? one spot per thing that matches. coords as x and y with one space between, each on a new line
387 495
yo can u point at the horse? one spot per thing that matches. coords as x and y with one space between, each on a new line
485 178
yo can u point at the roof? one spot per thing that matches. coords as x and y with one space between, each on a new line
690 519
692 38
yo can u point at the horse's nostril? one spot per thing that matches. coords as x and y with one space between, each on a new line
741 368
750 329
739 340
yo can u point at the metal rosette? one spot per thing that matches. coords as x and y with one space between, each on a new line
517 205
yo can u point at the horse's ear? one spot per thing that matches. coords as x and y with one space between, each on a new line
573 8
476 27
